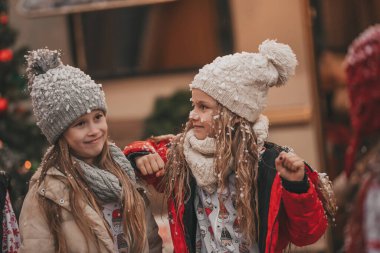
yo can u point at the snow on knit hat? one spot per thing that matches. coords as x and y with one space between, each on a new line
60 93
241 81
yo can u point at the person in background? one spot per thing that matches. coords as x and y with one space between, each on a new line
10 234
358 187
84 197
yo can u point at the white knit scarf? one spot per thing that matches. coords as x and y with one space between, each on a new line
199 155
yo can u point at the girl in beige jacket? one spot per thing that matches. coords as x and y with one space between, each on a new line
84 197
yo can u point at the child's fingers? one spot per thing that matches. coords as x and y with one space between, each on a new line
153 164
278 162
140 165
160 162
160 173
290 166
150 164
147 165
291 162
281 171
156 162
298 165
288 161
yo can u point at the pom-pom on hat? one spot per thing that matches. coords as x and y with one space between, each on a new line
60 93
241 81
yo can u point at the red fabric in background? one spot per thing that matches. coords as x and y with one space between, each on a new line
363 82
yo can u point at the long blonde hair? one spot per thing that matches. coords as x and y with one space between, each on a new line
133 214
236 142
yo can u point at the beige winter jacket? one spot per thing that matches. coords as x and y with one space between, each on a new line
35 233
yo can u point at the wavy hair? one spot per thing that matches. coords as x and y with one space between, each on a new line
236 144
133 207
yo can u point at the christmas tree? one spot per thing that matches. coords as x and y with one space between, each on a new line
21 142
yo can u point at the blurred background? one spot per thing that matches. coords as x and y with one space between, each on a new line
146 52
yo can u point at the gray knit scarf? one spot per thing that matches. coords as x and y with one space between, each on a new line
104 184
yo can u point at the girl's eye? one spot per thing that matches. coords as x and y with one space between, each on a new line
99 116
203 107
80 123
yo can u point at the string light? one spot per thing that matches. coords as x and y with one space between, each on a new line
27 165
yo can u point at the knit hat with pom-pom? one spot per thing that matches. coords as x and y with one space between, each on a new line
241 81
60 93
362 65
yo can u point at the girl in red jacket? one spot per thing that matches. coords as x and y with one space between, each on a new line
228 189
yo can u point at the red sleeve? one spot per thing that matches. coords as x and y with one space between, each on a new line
152 147
148 146
306 220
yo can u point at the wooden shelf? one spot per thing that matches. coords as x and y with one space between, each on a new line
289 115
77 8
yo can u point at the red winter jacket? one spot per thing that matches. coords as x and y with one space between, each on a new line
285 216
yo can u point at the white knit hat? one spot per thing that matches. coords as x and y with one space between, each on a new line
241 81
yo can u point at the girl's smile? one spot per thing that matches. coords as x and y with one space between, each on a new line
87 135
94 141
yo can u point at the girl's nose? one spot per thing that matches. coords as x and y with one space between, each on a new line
193 115
93 129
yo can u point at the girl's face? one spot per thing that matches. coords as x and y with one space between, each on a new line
87 135
201 117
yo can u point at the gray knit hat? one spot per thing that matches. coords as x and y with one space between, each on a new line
241 81
60 94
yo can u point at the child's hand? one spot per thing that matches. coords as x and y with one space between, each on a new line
290 166
150 164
